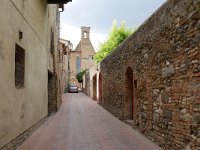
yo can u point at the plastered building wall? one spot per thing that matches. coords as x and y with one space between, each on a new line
21 108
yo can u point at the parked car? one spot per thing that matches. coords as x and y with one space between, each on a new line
73 88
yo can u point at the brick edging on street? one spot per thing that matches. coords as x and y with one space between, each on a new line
16 142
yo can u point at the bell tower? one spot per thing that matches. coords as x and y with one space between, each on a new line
85 33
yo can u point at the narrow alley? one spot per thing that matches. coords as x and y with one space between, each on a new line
82 124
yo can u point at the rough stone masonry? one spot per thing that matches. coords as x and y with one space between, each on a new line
164 57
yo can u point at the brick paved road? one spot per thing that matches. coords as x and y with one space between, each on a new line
81 124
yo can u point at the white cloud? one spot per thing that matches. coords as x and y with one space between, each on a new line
99 16
96 39
73 34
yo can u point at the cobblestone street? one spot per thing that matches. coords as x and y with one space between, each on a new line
81 124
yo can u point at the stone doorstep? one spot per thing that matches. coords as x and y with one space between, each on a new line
129 122
16 142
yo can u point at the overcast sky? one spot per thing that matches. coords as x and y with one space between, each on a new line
99 15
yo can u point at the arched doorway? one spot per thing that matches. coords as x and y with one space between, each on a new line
129 98
100 88
95 87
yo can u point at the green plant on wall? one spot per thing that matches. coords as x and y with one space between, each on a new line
116 36
79 76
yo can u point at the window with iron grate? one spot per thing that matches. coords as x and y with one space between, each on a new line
78 64
19 66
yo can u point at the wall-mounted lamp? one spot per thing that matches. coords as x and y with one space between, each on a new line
70 46
20 35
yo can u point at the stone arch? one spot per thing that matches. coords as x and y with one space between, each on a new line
78 64
95 87
161 48
129 97
100 87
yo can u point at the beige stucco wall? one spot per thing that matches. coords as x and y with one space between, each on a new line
53 25
21 108
92 72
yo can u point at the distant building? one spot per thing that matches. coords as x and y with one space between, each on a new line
83 56
64 66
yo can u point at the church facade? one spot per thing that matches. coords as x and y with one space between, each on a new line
82 57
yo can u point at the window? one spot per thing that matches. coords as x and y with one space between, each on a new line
78 64
85 35
19 66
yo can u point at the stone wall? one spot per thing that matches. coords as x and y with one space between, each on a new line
164 58
53 58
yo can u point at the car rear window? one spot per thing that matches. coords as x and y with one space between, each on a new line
73 85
